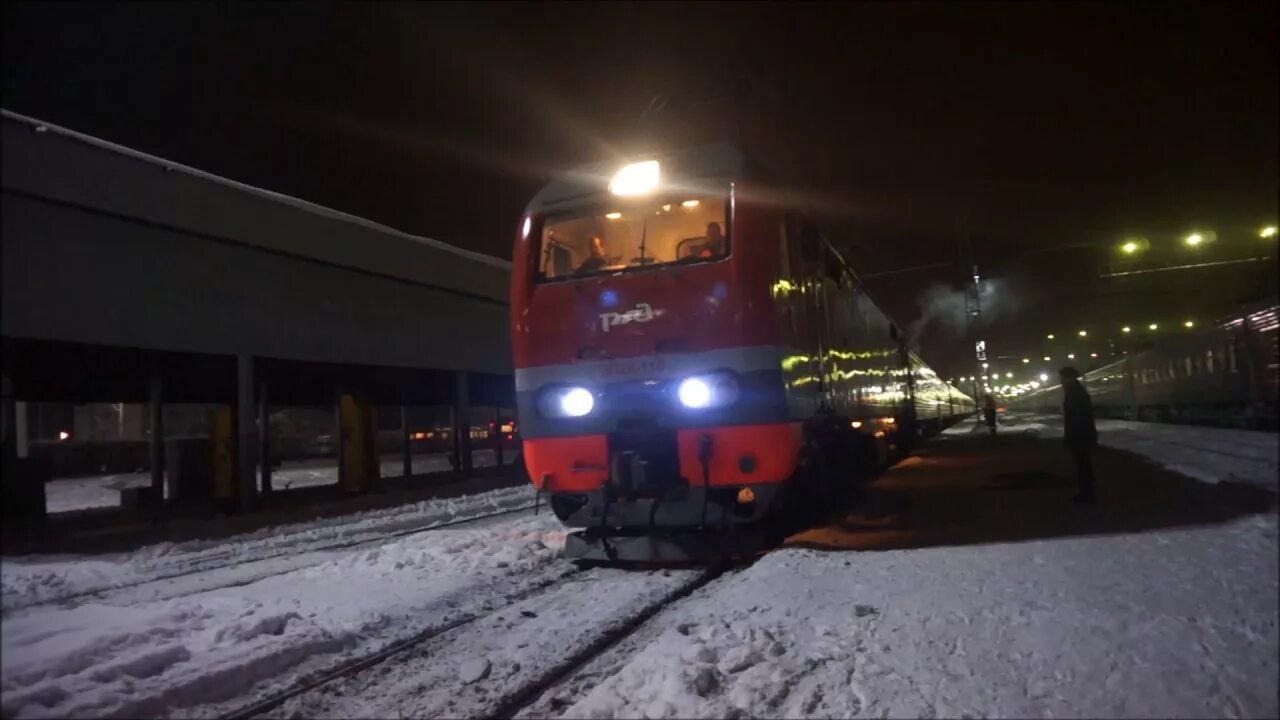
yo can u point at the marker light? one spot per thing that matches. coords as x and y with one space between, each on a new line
635 179
577 402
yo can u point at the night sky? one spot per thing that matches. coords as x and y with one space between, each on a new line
1026 126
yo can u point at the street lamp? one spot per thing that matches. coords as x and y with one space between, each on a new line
1050 336
1008 375
1126 329
1153 326
1071 356
1188 324
1044 377
1194 239
1047 358
1082 333
1129 248
1026 360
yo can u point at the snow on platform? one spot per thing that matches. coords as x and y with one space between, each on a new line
1168 624
967 584
1205 453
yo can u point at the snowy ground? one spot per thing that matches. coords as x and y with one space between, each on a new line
1204 453
1175 618
69 494
129 656
43 579
1171 624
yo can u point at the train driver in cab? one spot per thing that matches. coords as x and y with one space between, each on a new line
714 246
596 260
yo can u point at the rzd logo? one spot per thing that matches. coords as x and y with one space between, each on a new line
640 313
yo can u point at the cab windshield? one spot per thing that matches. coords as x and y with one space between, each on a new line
687 229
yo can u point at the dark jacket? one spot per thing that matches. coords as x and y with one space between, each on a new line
1079 432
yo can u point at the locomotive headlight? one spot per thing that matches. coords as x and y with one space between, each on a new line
635 179
567 402
707 391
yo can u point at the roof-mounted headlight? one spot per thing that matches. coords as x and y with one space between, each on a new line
635 179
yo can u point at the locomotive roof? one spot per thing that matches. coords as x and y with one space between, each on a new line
712 161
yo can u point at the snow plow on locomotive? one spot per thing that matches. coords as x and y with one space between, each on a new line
692 356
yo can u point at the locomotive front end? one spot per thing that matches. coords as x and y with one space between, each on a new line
650 397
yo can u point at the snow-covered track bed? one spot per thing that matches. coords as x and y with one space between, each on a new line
494 664
31 582
246 571
206 653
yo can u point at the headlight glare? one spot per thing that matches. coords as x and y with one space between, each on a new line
577 402
567 402
698 392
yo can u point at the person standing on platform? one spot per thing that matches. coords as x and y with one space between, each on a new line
989 412
1079 432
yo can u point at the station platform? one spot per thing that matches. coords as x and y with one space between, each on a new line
966 488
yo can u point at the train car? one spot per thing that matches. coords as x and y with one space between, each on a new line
692 354
1225 375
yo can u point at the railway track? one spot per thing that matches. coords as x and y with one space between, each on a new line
430 659
202 567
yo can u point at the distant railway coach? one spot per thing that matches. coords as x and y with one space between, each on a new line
692 355
1226 375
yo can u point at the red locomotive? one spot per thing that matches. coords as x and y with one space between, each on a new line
691 354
